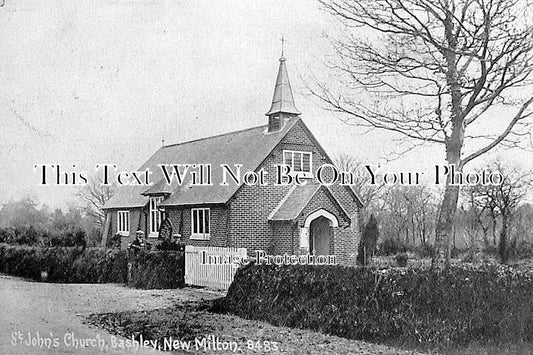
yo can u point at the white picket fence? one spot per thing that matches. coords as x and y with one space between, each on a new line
214 275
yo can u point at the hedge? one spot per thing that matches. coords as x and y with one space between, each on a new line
156 269
492 304
64 264
141 269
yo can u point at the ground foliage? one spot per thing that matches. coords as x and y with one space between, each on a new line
156 269
178 322
63 264
412 306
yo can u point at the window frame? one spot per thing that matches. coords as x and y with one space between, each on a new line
293 153
123 223
196 223
274 123
153 211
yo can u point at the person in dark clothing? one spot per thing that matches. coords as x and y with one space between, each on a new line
137 244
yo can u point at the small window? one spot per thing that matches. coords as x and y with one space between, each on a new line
300 162
156 216
200 223
123 226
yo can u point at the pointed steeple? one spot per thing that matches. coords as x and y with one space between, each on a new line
283 101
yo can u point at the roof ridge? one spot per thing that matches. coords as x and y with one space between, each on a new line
215 136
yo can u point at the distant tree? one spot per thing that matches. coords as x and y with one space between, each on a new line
366 191
369 239
521 230
25 222
433 73
24 213
58 220
471 220
95 195
407 215
503 200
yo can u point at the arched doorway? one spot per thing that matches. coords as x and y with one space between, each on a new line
320 224
320 234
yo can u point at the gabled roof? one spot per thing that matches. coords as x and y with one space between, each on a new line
349 188
297 199
248 147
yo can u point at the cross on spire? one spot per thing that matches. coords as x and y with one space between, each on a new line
282 45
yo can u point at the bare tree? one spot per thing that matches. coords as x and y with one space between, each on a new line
434 72
471 219
407 214
95 195
366 191
504 199
521 230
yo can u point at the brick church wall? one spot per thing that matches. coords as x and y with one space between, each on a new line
251 206
218 227
135 215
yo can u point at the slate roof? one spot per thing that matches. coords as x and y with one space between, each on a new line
297 199
248 147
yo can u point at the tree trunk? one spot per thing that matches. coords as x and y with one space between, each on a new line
444 228
493 215
503 249
454 145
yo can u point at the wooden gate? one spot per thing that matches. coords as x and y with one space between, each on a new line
212 267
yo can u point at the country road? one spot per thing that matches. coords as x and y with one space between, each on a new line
37 318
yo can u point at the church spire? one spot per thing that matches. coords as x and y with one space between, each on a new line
282 102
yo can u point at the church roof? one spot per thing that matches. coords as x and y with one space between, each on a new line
297 199
283 101
248 147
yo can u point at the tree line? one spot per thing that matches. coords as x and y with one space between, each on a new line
491 219
26 221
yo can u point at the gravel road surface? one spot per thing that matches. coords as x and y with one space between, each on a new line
48 318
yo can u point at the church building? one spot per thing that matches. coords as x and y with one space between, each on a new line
296 219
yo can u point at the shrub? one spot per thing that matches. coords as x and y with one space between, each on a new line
369 239
401 259
169 245
114 241
425 250
20 235
147 269
455 253
62 264
69 238
419 306
523 251
156 269
392 246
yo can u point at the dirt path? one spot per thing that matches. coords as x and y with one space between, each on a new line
57 311
38 318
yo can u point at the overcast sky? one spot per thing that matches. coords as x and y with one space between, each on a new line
104 81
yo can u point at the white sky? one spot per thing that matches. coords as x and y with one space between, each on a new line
86 82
